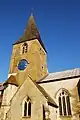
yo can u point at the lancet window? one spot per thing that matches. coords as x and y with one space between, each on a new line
27 107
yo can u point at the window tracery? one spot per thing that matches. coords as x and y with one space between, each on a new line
27 107
64 103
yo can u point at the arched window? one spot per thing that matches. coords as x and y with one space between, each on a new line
25 47
27 107
64 103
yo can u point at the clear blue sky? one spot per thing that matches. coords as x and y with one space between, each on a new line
58 22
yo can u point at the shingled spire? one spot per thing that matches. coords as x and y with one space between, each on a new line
31 32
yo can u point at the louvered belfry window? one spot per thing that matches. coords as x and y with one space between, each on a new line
25 47
64 104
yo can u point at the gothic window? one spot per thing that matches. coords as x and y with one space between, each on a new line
24 48
64 103
27 107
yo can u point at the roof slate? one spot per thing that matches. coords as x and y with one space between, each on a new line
62 75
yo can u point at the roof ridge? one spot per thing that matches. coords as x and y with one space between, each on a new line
64 70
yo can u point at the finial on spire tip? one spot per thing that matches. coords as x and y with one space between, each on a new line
32 10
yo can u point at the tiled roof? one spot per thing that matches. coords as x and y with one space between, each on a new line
31 32
11 80
46 95
62 75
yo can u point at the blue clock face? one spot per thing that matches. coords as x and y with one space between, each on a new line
22 64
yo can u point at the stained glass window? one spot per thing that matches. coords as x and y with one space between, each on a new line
22 64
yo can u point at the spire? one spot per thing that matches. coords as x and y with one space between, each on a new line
31 32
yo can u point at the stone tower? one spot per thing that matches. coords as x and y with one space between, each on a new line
29 55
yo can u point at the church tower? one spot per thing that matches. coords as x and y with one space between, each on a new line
29 55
